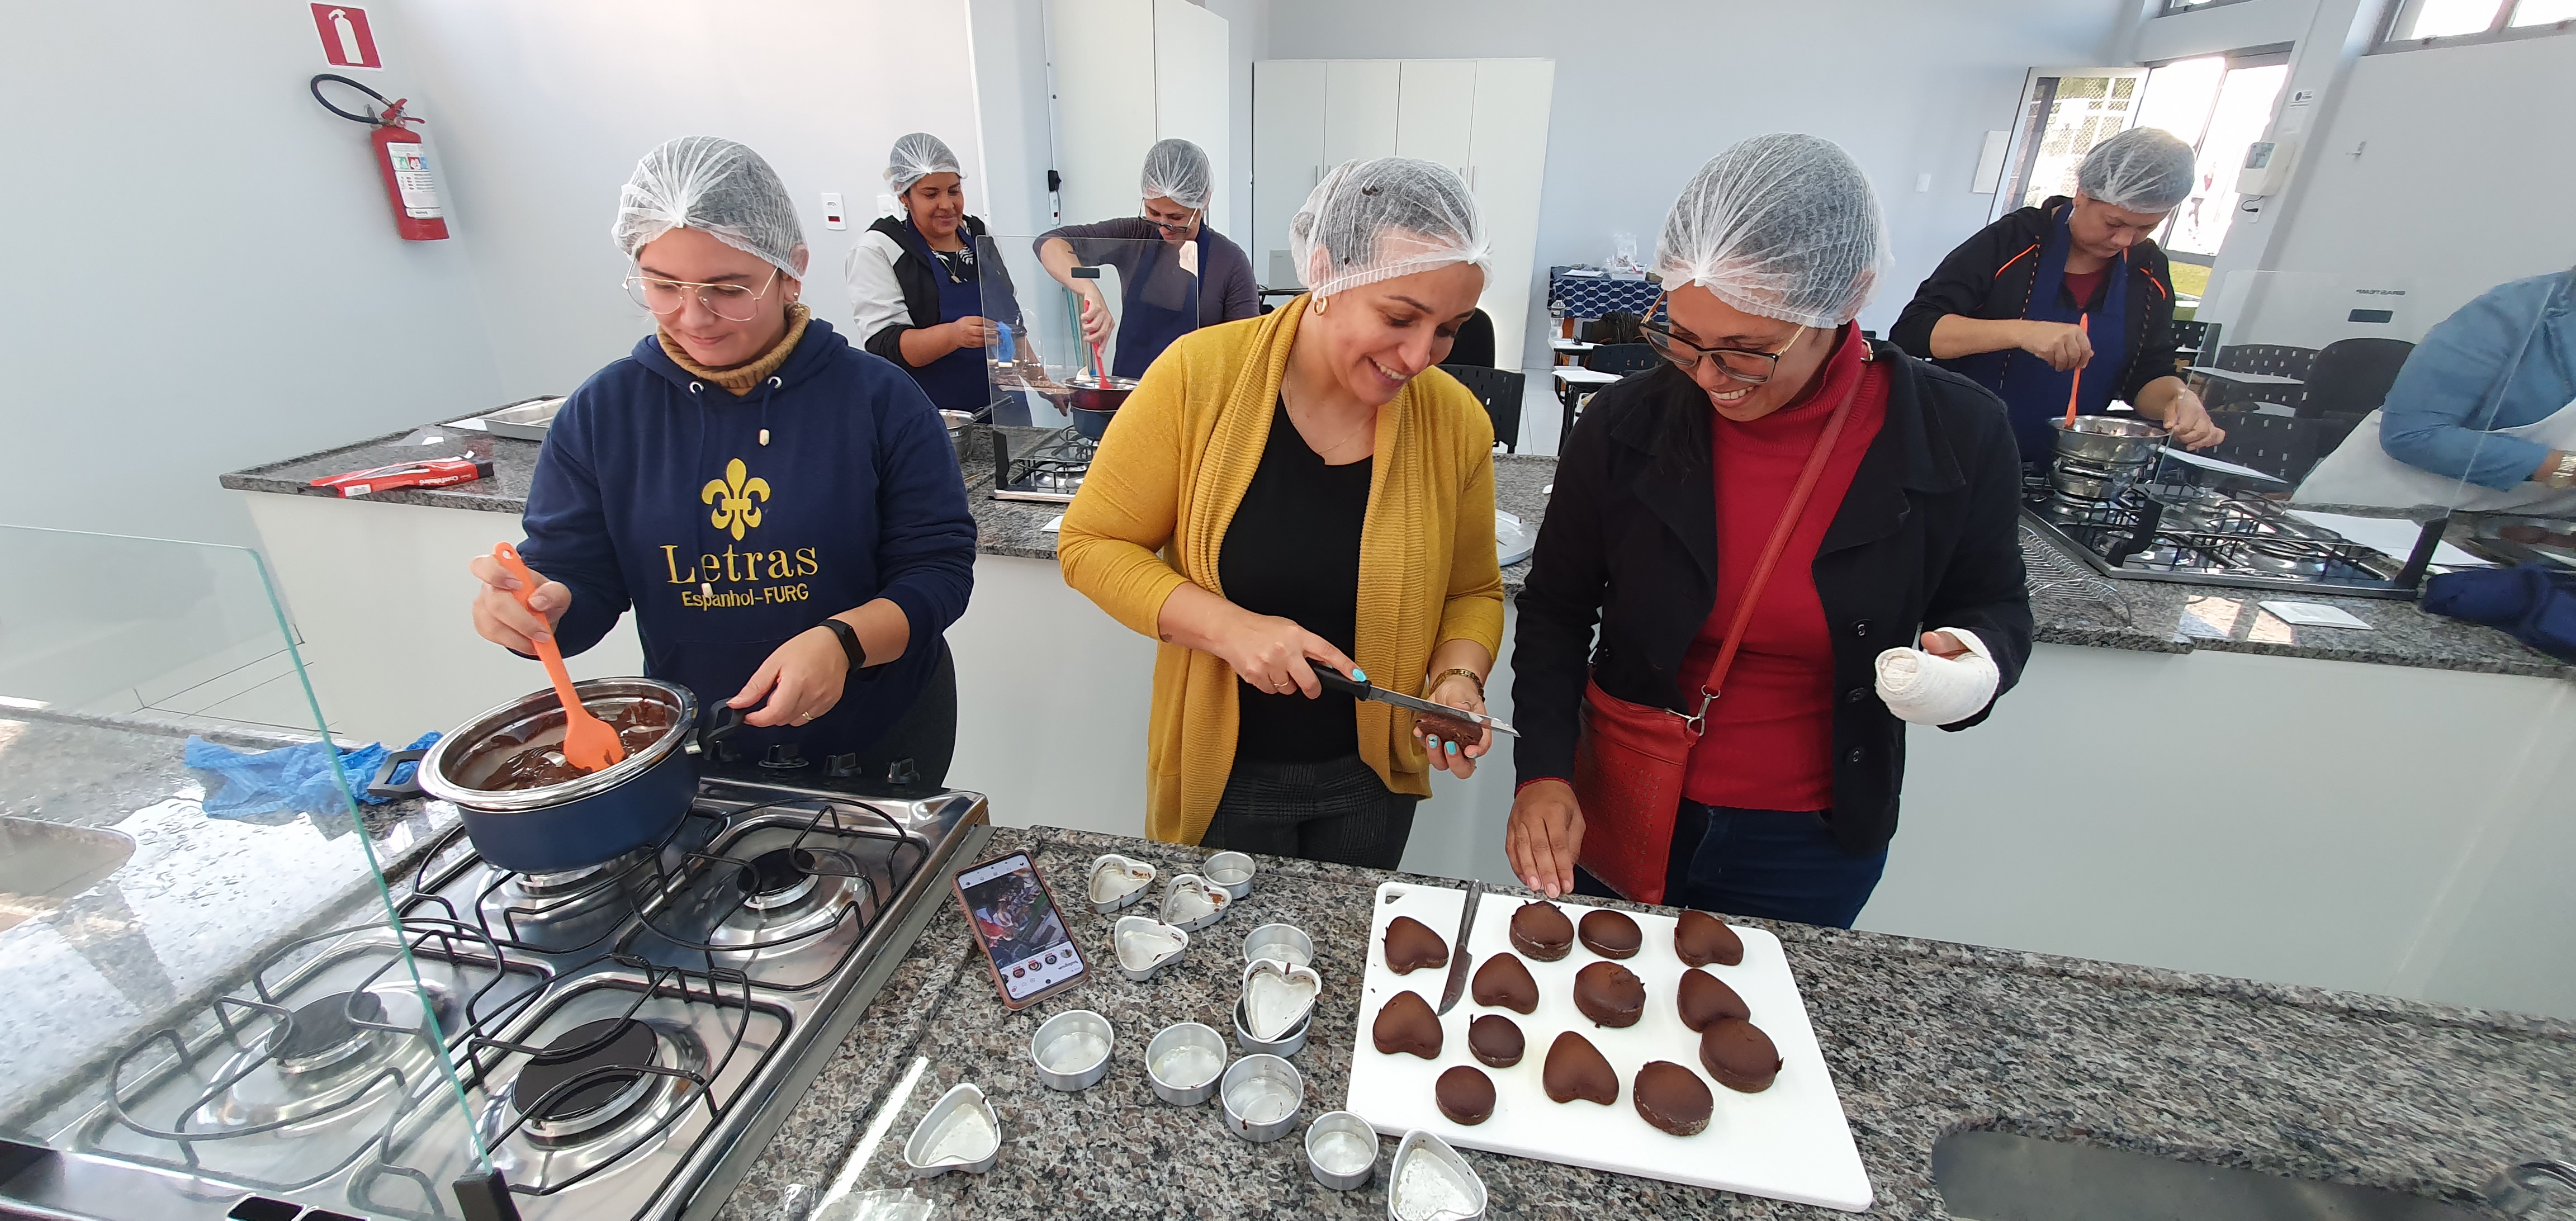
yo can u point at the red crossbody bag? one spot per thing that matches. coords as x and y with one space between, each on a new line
1630 758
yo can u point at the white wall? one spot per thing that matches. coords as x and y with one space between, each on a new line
204 274
548 106
1648 90
2451 167
1248 39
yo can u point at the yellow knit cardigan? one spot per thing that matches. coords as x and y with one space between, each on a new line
1153 512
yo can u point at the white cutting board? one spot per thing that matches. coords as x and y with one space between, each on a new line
1789 1142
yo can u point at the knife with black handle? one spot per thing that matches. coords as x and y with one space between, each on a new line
1458 956
1363 690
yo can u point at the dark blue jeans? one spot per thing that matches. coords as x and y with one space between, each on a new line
1768 864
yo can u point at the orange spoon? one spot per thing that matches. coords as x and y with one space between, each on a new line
2083 322
589 744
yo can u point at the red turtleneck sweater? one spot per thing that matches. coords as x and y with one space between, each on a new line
1769 744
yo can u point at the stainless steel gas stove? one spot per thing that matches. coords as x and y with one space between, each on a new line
603 1039
2202 536
1051 469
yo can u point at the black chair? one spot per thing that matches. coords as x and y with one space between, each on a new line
1474 344
1617 326
2191 338
1621 358
2287 446
2273 359
2351 377
1500 392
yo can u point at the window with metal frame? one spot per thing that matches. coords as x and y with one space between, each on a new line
2172 7
2414 25
2218 104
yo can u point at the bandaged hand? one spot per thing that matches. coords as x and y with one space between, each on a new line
1940 686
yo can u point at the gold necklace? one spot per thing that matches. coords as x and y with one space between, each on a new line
1321 450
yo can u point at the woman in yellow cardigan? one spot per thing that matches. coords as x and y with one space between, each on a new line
1296 490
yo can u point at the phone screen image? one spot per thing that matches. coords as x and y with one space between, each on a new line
1022 930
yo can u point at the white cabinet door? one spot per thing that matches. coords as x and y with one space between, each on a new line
1435 106
1505 167
1287 158
1360 101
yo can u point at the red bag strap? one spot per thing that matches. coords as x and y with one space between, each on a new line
1780 532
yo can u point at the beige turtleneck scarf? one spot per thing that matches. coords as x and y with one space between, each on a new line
741 378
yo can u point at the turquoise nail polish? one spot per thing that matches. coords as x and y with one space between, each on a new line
1358 675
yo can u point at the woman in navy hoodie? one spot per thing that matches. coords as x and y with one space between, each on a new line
783 511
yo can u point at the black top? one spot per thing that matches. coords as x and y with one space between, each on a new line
1293 550
1990 276
920 284
1927 537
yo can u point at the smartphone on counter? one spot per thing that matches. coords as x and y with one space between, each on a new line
1015 917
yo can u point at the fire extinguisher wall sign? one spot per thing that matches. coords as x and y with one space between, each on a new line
401 161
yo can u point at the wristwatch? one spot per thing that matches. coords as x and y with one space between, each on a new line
849 643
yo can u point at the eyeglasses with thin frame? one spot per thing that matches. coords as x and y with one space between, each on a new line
1743 364
731 302
1169 228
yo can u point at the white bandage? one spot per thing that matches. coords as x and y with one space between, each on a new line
1928 690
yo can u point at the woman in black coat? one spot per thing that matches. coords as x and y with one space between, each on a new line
1898 592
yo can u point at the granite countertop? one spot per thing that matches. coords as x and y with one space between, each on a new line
1923 1038
2164 617
143 946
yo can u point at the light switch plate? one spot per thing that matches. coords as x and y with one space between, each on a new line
833 216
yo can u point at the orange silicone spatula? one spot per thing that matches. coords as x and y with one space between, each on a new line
589 744
2083 322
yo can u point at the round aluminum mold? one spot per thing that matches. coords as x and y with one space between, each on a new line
1179 1047
1071 1050
1341 1151
1231 872
1285 942
1262 1096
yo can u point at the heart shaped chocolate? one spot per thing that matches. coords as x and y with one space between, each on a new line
1576 1069
1411 946
1407 1024
1503 983
1704 998
1700 939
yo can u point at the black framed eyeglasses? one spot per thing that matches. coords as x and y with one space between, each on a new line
1743 364
1169 228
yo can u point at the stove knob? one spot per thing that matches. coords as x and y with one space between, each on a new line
726 752
783 757
841 767
903 771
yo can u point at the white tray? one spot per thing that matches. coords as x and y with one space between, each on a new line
1789 1142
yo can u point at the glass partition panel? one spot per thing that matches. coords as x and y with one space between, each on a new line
203 976
1038 291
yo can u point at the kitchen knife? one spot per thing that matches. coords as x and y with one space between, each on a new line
1457 985
1358 689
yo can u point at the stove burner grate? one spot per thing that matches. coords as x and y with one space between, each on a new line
588 1078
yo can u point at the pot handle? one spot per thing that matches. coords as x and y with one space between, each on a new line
383 787
726 720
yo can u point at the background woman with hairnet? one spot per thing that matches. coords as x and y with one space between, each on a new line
916 294
2071 288
1288 492
1157 282
1892 594
783 512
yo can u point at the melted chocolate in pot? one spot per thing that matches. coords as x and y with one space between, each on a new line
639 724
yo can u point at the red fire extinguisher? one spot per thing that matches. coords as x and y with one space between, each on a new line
401 160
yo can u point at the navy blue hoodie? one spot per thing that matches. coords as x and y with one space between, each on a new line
654 491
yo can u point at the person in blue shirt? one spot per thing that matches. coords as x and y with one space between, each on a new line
782 511
2482 416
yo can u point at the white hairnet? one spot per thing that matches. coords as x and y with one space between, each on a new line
718 187
1375 220
1781 225
1177 170
2143 169
918 156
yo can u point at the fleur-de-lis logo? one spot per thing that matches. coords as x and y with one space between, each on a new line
736 498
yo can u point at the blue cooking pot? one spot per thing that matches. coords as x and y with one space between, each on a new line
577 822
